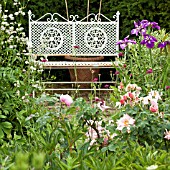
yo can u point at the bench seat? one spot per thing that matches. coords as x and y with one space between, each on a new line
77 64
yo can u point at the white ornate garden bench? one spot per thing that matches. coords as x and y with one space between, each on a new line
54 35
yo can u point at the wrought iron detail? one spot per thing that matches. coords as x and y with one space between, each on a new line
95 38
51 39
95 34
48 16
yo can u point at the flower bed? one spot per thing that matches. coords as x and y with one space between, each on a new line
128 128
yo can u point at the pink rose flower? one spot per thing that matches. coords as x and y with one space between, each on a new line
125 121
149 71
167 87
122 101
154 107
66 99
95 79
131 95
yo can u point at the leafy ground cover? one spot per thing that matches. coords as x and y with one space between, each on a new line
129 128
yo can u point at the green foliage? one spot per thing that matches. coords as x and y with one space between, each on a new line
17 76
42 133
138 59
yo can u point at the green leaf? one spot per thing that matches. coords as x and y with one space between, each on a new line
6 125
1 133
112 147
104 149
2 116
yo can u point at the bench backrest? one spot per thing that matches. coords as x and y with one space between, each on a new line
93 36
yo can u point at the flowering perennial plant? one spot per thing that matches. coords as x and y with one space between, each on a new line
140 117
66 99
125 121
147 57
18 74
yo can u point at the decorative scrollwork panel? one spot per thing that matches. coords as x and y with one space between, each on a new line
51 38
96 38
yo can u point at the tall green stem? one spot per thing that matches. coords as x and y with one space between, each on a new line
151 60
166 72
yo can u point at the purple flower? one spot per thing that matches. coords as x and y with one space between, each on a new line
44 60
155 25
95 79
167 87
117 72
140 27
121 54
123 43
145 23
149 71
148 41
76 46
167 42
163 44
124 65
106 86
96 99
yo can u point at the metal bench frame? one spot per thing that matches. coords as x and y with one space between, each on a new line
54 35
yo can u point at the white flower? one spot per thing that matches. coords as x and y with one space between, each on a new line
102 105
17 84
155 94
29 44
5 23
118 104
35 85
167 134
11 28
11 46
23 97
145 100
23 13
40 71
152 167
11 16
32 68
2 28
21 29
17 92
16 13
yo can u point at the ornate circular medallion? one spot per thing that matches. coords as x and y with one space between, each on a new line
51 39
95 38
